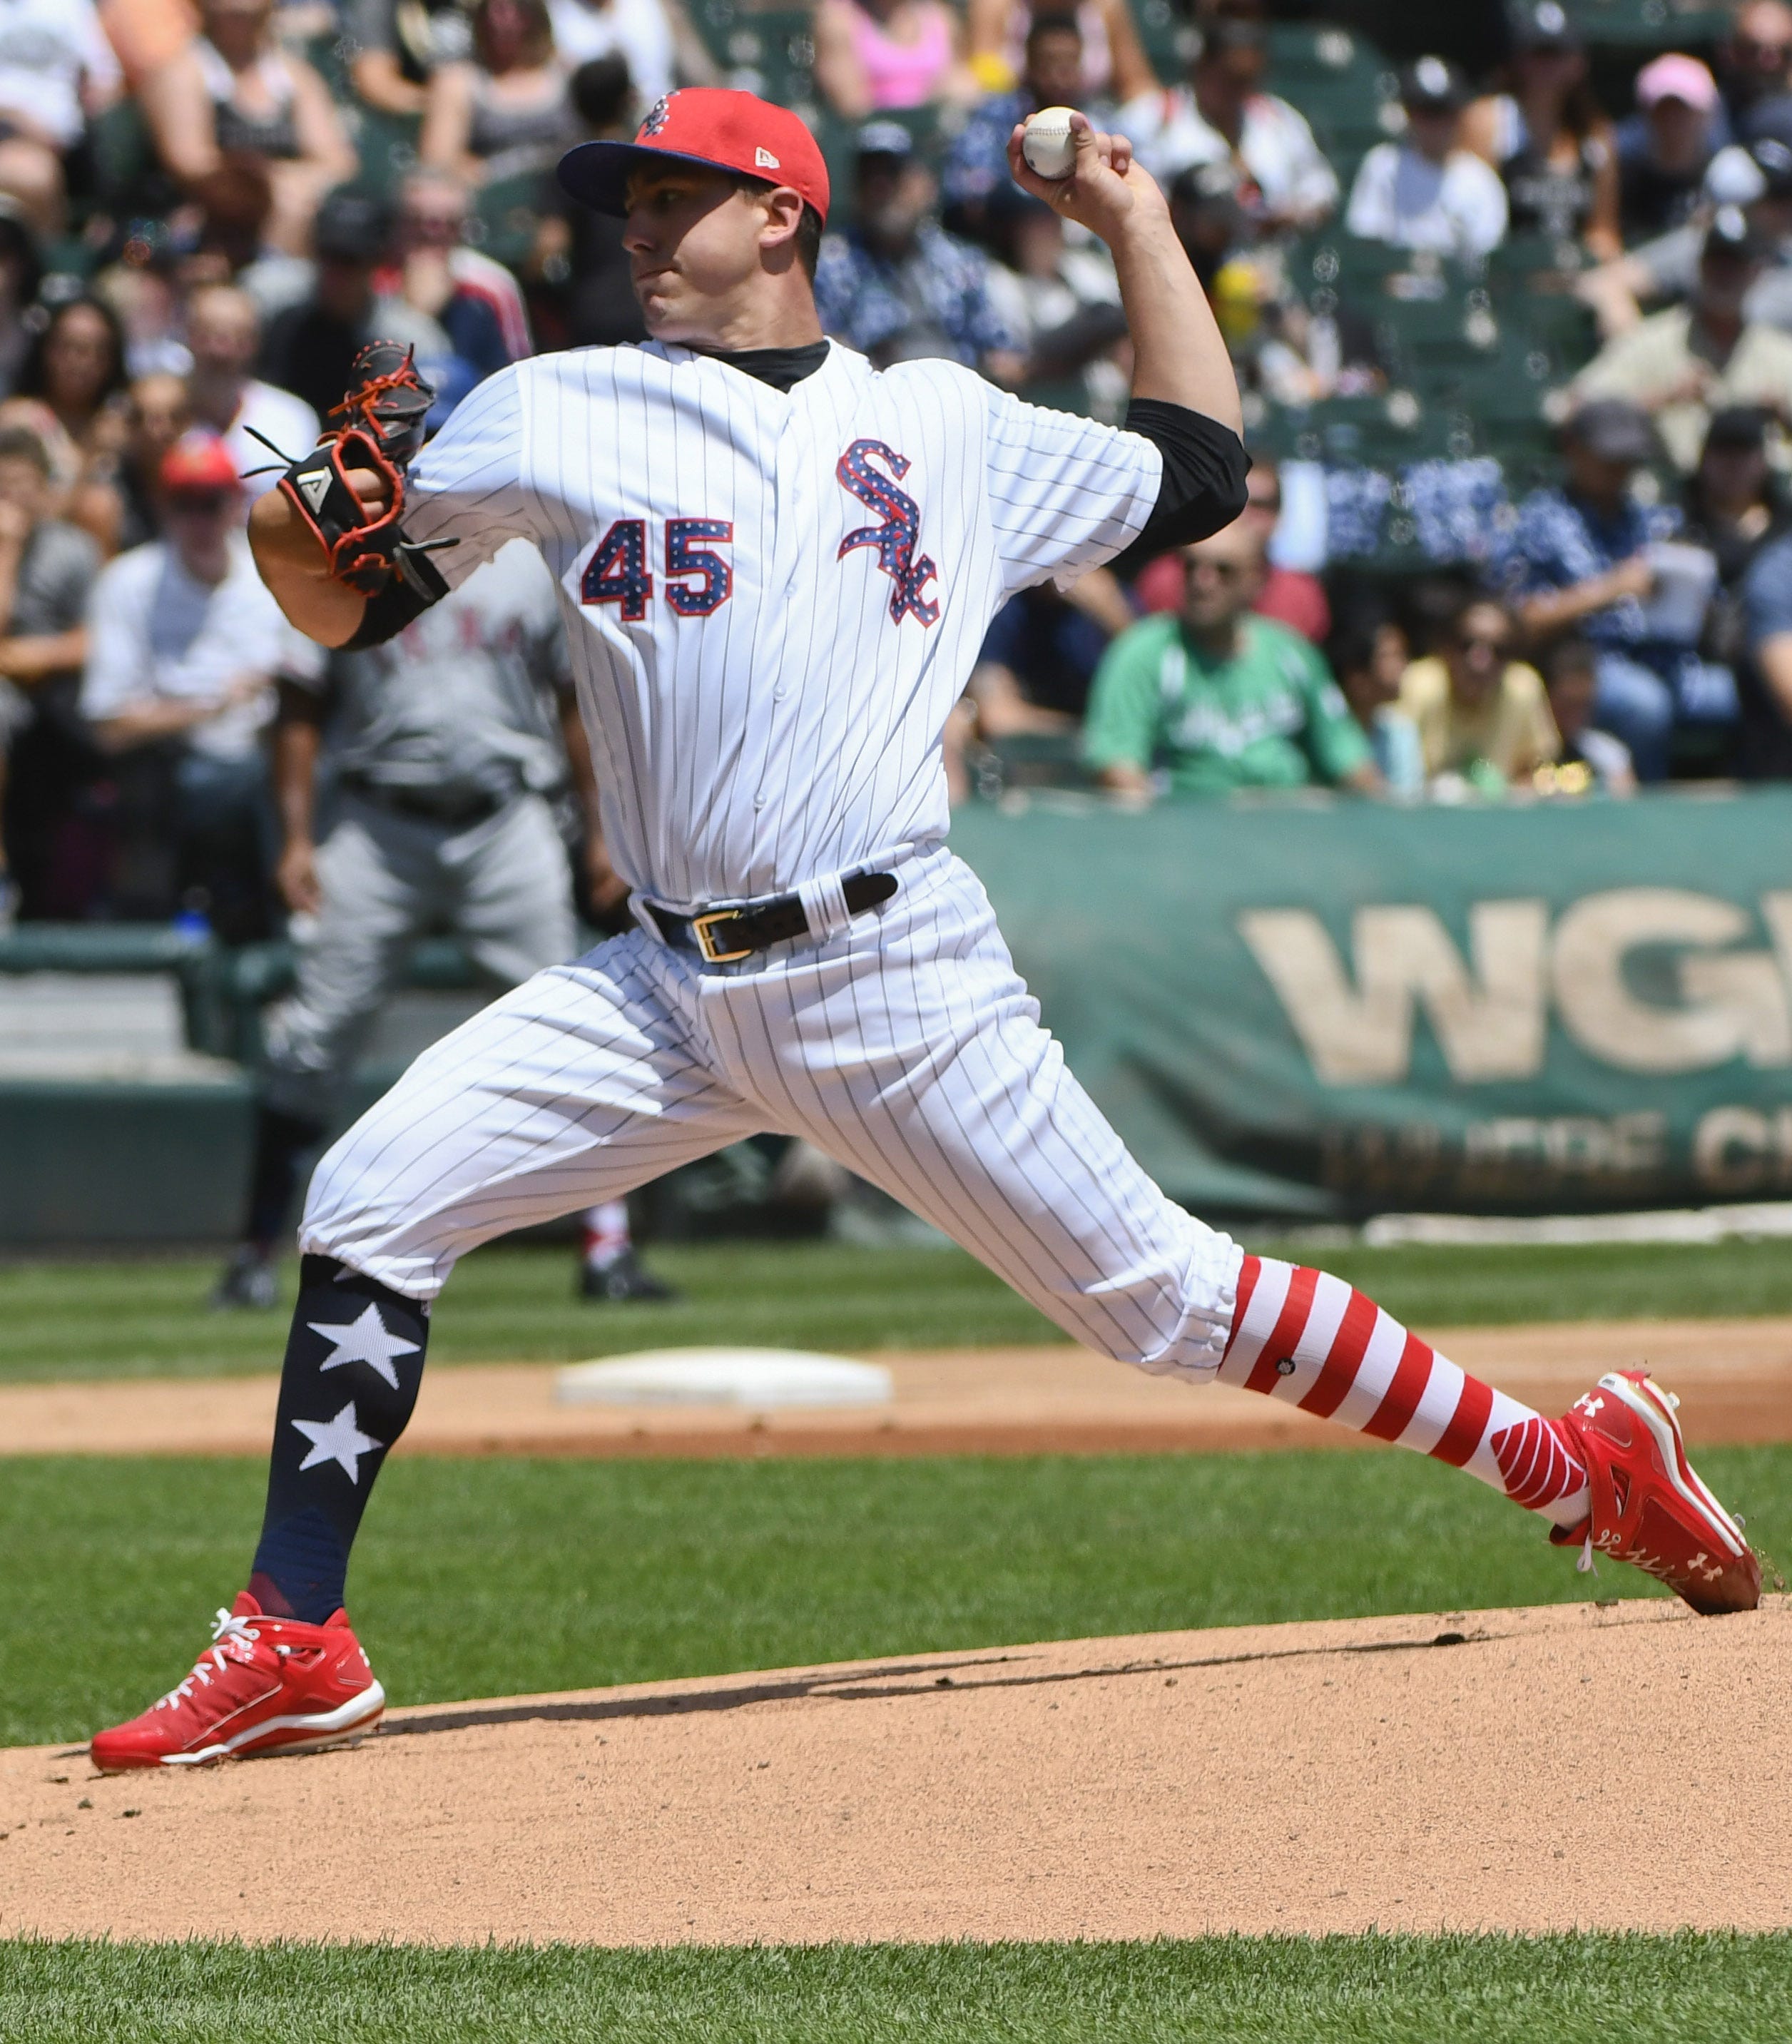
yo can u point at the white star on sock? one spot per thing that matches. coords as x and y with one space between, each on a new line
365 1340
337 1440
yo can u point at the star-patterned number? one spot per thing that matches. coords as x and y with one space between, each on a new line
365 1339
338 1440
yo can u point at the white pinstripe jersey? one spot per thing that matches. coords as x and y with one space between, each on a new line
773 599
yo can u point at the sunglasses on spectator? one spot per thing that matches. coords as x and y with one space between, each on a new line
1750 51
1226 570
201 503
1493 642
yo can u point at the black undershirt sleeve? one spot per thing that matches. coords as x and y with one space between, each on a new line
1203 488
407 595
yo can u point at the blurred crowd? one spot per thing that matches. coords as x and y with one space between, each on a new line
1514 324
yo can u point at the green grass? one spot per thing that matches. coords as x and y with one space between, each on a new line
99 1319
1494 1287
516 1305
501 1576
1368 1990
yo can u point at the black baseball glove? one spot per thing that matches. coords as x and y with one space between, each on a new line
382 429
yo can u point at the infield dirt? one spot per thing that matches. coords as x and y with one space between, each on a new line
1734 1378
1524 1770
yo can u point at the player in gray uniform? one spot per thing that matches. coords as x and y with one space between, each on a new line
450 744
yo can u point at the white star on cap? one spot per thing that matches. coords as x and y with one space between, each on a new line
337 1440
365 1340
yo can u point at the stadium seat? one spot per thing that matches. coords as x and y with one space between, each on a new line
506 213
770 51
1383 431
1650 25
387 143
1168 36
123 156
1330 260
1436 345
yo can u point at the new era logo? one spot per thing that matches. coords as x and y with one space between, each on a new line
763 159
314 487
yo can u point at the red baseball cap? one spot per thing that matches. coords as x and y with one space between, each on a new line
198 460
704 125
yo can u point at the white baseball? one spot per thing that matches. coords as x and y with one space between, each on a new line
1048 144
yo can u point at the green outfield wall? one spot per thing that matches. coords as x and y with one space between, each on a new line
1299 1010
1320 1009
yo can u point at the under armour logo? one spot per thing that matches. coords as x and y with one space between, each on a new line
895 538
1587 1403
659 114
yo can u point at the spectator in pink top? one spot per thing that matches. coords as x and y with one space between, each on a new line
875 56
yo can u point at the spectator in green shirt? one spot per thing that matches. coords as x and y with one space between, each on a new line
1214 699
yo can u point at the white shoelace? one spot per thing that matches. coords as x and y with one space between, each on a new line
226 1630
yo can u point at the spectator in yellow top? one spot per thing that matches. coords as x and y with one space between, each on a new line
1682 364
1112 61
1482 715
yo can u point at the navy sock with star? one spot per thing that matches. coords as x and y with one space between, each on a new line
354 1364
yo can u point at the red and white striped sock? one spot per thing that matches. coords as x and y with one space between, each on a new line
1316 1341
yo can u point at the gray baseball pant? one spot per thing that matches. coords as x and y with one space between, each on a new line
499 886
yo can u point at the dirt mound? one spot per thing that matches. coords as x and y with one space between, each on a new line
1526 1770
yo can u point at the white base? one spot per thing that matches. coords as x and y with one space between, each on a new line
759 1378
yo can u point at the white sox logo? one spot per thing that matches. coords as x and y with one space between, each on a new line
897 537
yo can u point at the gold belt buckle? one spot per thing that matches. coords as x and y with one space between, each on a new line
700 925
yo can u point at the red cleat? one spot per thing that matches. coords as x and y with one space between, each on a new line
265 1686
1648 1507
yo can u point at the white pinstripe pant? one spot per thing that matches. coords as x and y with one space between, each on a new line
908 1047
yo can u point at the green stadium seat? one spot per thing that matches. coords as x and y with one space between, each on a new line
1330 266
770 51
387 144
1437 344
327 55
1520 259
1650 25
713 20
1559 325
123 156
1164 30
508 212
1384 431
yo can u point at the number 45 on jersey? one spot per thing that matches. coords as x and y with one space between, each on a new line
698 580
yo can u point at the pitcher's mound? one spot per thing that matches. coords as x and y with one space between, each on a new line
1525 1770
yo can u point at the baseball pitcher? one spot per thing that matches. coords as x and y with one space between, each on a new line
776 565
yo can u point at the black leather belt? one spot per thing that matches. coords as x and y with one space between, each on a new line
721 935
459 811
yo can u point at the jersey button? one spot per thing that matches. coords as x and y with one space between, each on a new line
760 799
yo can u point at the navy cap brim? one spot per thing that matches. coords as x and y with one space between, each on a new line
597 173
